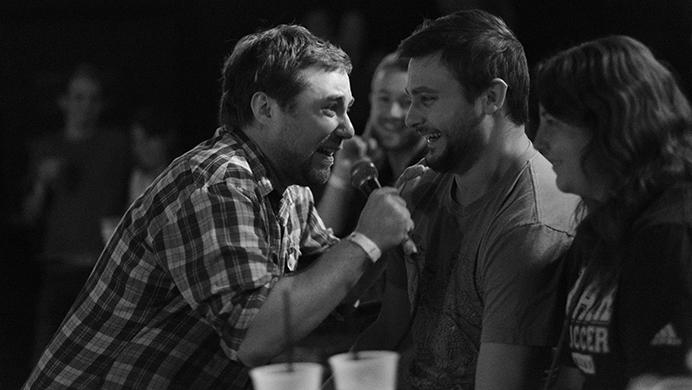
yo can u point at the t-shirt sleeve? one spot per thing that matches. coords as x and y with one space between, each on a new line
217 252
655 301
520 282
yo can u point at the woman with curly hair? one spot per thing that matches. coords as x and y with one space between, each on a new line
618 131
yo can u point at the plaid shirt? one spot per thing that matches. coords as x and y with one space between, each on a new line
187 269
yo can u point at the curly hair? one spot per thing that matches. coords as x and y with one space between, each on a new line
270 61
640 126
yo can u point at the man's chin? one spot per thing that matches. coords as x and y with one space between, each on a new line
436 162
317 177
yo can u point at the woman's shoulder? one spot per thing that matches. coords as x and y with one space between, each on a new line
672 207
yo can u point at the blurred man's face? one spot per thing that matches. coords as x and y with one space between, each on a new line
149 150
388 105
83 102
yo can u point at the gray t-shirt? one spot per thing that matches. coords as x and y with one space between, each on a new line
486 272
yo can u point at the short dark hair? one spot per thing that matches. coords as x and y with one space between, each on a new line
476 47
270 61
393 61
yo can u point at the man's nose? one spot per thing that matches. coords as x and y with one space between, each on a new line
397 110
345 129
413 117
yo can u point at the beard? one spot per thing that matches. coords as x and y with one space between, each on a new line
315 174
312 171
464 146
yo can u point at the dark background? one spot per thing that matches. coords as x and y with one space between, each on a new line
171 52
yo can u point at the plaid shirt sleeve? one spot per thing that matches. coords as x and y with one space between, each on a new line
217 250
316 237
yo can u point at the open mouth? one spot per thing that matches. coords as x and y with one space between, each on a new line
329 152
432 137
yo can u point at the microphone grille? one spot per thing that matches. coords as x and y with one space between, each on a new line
362 171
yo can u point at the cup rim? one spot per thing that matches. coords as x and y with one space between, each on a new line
366 354
274 367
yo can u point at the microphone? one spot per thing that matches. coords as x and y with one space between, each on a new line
364 177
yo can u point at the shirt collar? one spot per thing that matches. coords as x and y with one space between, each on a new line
263 172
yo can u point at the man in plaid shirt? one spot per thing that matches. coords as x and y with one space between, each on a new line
189 291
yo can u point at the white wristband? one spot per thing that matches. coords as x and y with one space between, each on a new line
365 243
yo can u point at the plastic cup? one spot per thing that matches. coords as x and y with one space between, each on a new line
304 376
373 370
650 382
676 383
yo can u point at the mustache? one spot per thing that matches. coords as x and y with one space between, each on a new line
332 141
425 129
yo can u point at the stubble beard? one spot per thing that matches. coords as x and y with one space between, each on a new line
463 148
314 176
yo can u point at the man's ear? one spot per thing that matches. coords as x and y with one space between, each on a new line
262 107
494 96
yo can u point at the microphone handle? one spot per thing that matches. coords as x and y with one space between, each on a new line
369 185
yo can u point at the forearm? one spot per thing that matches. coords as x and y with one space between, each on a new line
313 294
316 291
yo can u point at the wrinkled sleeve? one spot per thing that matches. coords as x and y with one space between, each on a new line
316 236
520 281
218 253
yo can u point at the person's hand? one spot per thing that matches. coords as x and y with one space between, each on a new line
385 218
410 175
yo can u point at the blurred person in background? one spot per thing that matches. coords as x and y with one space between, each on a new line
618 131
78 175
154 136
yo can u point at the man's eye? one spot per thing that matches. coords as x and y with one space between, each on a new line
383 99
331 109
427 100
